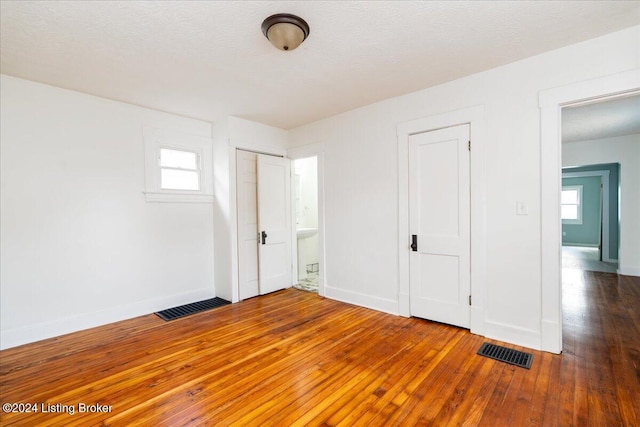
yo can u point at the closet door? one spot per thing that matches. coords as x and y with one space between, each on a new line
274 223
246 184
439 219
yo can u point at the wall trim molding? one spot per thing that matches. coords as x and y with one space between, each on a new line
550 102
512 334
475 116
28 334
168 197
629 271
363 300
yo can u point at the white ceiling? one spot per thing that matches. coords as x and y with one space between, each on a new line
209 59
606 119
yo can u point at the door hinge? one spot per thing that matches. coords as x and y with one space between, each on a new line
469 299
469 145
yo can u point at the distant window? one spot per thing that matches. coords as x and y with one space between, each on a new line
571 204
178 167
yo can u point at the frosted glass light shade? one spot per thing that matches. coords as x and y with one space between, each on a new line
285 36
285 31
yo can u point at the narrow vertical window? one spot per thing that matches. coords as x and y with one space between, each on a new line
179 170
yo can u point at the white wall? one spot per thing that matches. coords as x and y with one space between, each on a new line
77 233
80 246
626 151
361 179
228 135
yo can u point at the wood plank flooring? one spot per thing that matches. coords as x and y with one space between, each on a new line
293 358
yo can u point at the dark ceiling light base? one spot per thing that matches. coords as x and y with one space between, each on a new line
285 31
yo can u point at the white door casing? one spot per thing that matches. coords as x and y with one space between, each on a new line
439 217
551 102
274 223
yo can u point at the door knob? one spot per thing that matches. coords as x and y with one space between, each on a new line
264 237
414 242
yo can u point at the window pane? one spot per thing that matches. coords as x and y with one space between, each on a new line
178 159
179 180
569 212
570 197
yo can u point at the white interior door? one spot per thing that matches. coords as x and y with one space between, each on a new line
439 221
247 194
274 223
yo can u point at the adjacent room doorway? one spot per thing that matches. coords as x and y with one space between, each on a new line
590 212
305 191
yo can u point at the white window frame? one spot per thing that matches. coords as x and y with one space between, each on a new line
577 188
198 168
156 139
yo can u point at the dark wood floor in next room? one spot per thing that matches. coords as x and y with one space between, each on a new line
294 358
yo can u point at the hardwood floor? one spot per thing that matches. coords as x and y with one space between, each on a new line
294 358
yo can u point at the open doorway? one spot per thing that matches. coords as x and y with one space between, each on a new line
551 103
599 140
305 187
590 212
599 154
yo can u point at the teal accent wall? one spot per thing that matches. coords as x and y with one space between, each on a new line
587 233
584 236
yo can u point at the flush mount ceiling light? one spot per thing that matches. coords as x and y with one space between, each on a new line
285 31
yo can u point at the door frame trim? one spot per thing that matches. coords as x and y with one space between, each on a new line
551 102
475 117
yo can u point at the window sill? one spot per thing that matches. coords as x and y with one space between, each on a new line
167 197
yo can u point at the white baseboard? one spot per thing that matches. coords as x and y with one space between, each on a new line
629 271
27 334
551 338
582 245
519 336
477 320
404 305
380 304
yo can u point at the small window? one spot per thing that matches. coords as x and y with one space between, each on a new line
178 167
179 170
571 204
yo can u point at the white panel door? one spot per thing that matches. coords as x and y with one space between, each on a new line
274 223
439 221
247 181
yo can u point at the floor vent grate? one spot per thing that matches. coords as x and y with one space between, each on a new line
507 355
194 307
